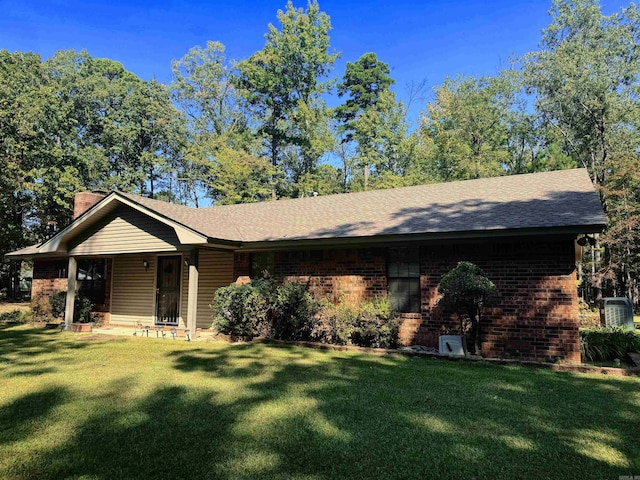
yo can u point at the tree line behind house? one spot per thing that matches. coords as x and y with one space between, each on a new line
260 128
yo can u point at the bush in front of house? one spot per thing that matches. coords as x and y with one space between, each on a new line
58 303
602 344
41 309
378 324
82 310
293 312
335 322
15 316
465 290
239 310
369 323
264 308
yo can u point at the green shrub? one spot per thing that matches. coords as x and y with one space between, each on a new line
371 323
465 290
238 310
335 323
58 302
377 325
601 344
82 310
41 309
587 316
16 316
289 312
293 312
264 308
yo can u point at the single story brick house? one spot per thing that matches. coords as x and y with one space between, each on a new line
151 262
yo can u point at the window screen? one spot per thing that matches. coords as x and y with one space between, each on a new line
91 278
261 262
403 279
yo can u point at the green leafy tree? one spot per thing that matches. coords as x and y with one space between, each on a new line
621 267
468 123
127 133
465 289
216 119
363 82
585 78
383 149
239 177
151 133
283 84
384 145
35 147
325 180
585 82
39 171
202 85
533 147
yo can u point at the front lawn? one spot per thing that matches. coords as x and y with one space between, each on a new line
11 306
145 408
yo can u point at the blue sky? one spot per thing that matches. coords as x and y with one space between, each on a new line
429 39
418 39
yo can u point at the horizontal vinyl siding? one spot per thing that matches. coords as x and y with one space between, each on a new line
125 231
133 292
215 271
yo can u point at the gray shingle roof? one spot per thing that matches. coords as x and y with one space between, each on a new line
564 198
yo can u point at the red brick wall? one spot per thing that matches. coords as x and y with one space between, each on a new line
536 317
350 273
536 314
49 276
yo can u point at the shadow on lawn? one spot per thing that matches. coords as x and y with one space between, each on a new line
19 420
286 412
20 348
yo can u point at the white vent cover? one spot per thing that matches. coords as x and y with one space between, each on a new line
452 345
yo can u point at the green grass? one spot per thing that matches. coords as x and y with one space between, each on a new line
143 408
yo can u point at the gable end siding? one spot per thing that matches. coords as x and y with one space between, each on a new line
125 231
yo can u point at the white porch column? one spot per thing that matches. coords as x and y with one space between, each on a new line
71 292
192 299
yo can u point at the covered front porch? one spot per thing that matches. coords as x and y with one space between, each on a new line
152 289
137 266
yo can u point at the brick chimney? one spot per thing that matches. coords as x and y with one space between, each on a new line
83 201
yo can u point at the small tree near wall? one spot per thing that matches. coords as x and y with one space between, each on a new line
465 289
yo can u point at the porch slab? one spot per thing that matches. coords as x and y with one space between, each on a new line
129 331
